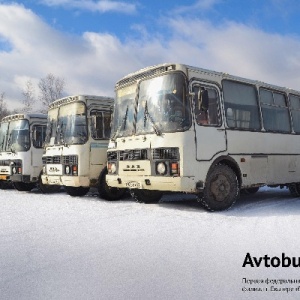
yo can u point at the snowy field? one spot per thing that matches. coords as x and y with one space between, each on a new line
60 247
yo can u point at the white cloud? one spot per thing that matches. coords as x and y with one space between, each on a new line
93 62
240 50
101 6
199 5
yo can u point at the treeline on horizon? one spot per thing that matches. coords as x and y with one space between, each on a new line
49 89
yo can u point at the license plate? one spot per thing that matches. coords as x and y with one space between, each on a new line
133 185
54 181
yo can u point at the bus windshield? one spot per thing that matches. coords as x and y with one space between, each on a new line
14 136
67 125
161 106
3 135
123 120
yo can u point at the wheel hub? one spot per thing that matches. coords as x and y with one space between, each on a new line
220 187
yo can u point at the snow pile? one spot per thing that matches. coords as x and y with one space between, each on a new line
61 247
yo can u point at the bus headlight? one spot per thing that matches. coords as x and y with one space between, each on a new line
112 168
68 170
161 168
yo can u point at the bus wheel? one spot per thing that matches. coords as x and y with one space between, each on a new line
47 188
76 191
23 187
295 189
5 185
146 196
106 192
221 189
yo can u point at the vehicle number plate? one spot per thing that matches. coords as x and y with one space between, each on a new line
54 181
133 185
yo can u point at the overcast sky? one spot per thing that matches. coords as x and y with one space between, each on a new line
93 43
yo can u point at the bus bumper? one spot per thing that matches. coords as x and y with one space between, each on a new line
20 178
74 181
174 184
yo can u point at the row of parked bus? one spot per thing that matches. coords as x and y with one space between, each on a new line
67 147
171 128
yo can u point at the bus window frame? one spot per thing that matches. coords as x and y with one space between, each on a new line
259 112
93 126
212 85
288 107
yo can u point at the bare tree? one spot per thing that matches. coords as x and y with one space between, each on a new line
3 109
29 97
51 88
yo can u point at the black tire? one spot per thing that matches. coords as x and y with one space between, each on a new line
295 189
24 187
47 188
106 192
221 189
252 190
4 185
146 196
77 191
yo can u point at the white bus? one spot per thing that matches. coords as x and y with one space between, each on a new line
186 129
21 149
76 142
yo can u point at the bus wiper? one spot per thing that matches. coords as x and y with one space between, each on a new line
2 144
148 116
60 133
10 146
12 149
123 124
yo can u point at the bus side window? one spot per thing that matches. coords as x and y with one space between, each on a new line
207 111
100 125
241 105
295 110
39 135
275 111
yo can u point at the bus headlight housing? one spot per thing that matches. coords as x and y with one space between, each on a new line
166 161
16 167
71 170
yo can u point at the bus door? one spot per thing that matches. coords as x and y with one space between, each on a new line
209 128
38 139
100 132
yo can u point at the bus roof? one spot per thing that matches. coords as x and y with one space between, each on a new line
69 99
161 68
24 116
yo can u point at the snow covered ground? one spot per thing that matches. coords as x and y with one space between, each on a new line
62 247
